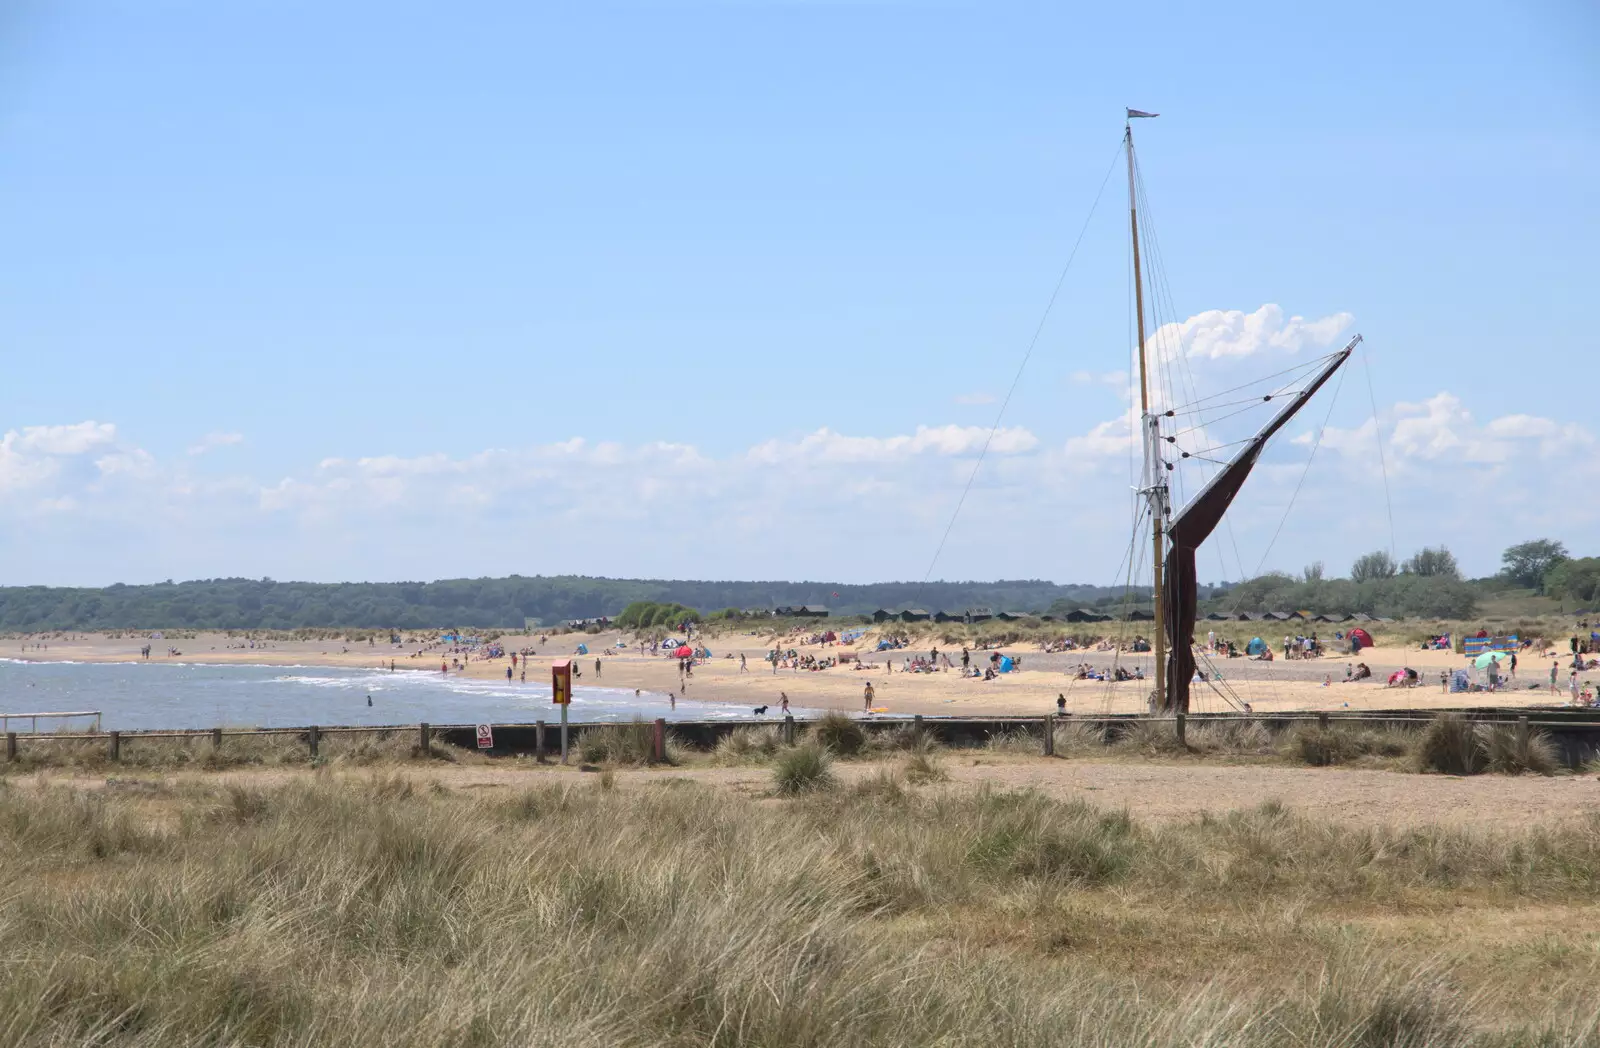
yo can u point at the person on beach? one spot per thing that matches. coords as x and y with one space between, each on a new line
597 669
867 694
742 667
966 660
783 702
508 673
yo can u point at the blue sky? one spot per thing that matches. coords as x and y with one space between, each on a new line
358 290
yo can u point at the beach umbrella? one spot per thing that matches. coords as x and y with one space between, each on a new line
683 652
1482 661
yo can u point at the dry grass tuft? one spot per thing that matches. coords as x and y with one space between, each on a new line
747 745
805 768
839 733
1450 745
922 767
1345 744
1509 752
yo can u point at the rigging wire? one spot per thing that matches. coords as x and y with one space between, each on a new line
1321 430
1032 343
1377 432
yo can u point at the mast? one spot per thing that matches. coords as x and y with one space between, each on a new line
1155 481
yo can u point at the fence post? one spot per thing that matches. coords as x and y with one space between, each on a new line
788 729
1050 736
1183 729
216 738
424 739
658 741
311 738
1524 736
114 748
11 745
538 741
1322 720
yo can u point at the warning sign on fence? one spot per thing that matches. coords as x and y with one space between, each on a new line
485 737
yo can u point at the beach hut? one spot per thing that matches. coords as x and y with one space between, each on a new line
811 611
1009 616
882 615
946 616
1085 615
1217 616
1140 615
977 615
914 615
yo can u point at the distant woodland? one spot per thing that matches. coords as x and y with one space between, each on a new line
244 604
1427 584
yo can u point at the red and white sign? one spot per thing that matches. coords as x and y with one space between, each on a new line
561 682
485 737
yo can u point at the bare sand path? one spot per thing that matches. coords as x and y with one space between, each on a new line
1156 791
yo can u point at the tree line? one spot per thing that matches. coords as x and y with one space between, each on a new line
246 604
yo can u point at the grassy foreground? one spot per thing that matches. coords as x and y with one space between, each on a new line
373 908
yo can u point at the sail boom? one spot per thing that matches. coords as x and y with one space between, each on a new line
1189 528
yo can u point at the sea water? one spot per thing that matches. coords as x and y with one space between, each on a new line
135 696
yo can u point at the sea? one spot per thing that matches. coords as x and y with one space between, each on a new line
151 696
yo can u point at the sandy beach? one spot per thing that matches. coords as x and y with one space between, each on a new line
1311 684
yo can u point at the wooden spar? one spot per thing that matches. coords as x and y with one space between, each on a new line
1154 481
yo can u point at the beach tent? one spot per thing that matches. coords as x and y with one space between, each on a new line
1257 646
683 651
1361 637
583 649
1005 664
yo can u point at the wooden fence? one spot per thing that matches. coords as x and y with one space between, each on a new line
1577 732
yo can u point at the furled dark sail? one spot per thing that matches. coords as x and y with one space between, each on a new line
1195 524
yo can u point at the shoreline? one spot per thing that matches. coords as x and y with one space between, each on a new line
1267 687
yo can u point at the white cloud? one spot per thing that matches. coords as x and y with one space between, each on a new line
1441 432
1223 333
212 441
77 439
34 455
819 504
827 446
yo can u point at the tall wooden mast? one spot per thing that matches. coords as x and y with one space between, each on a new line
1155 480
